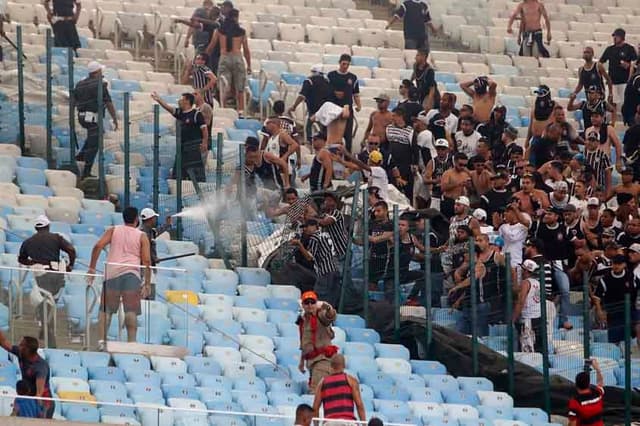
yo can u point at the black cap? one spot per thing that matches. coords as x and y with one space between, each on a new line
570 208
555 210
619 258
619 32
252 143
500 175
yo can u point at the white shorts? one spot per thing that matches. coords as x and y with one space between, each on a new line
618 95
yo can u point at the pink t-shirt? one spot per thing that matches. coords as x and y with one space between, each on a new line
124 249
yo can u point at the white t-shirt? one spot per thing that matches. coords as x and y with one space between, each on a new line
514 237
378 177
467 144
425 140
450 123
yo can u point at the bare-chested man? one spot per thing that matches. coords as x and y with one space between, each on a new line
530 198
530 14
483 92
455 182
380 119
233 46
628 186
607 136
541 115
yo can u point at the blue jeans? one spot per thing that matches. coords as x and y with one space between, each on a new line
562 281
463 325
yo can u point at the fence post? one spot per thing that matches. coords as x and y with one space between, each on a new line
21 135
365 253
509 313
219 145
101 178
545 342
427 286
73 141
156 155
178 174
49 124
127 148
243 219
346 267
627 359
396 273
586 305
474 307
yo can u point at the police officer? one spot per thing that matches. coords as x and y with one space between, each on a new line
63 18
86 101
44 248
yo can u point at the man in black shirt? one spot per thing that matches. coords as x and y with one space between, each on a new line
631 233
315 91
493 129
380 237
346 91
631 145
415 15
543 149
43 249
609 297
620 55
63 18
85 98
497 197
631 99
425 81
194 135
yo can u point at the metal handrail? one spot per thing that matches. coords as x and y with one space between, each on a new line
190 410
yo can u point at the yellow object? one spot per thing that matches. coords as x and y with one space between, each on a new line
181 296
77 396
375 157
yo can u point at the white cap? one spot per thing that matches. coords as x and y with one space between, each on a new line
593 201
441 143
41 221
560 185
463 200
317 68
480 214
95 66
148 213
529 265
635 247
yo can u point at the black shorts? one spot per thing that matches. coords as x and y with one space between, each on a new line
65 35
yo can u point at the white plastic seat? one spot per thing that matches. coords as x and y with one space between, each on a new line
320 34
168 364
491 44
253 291
256 343
475 68
427 409
32 201
216 300
7 396
394 366
223 355
346 35
258 356
216 312
69 384
284 291
60 178
291 32
249 314
238 369
448 66
396 63
460 411
495 399
395 39
375 24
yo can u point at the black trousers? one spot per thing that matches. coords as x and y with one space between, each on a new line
90 148
348 130
65 34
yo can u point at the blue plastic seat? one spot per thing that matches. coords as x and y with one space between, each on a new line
442 382
32 163
84 413
425 395
29 189
226 340
361 364
210 395
366 335
253 276
472 384
108 386
30 176
252 384
394 392
125 85
65 370
283 386
391 408
365 61
350 321
445 77
191 340
227 420
83 228
214 381
260 328
180 391
220 287
358 349
247 124
131 361
94 359
252 397
280 398
95 218
249 302
277 316
8 374
239 134
495 413
62 357
198 364
376 380
144 376
292 78
410 381
456 396
106 373
530 415
282 304
116 412
387 350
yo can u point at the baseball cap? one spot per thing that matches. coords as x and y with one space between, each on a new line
542 90
529 265
619 32
619 258
382 97
593 201
561 186
480 214
635 247
552 209
41 221
441 143
375 156
570 208
593 136
463 200
309 295
95 66
148 213
317 68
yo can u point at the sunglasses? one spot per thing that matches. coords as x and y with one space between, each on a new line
309 302
462 164
374 143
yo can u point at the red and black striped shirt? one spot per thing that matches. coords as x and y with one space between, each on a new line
337 397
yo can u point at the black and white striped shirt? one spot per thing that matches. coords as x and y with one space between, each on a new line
548 274
321 248
599 161
338 232
200 75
